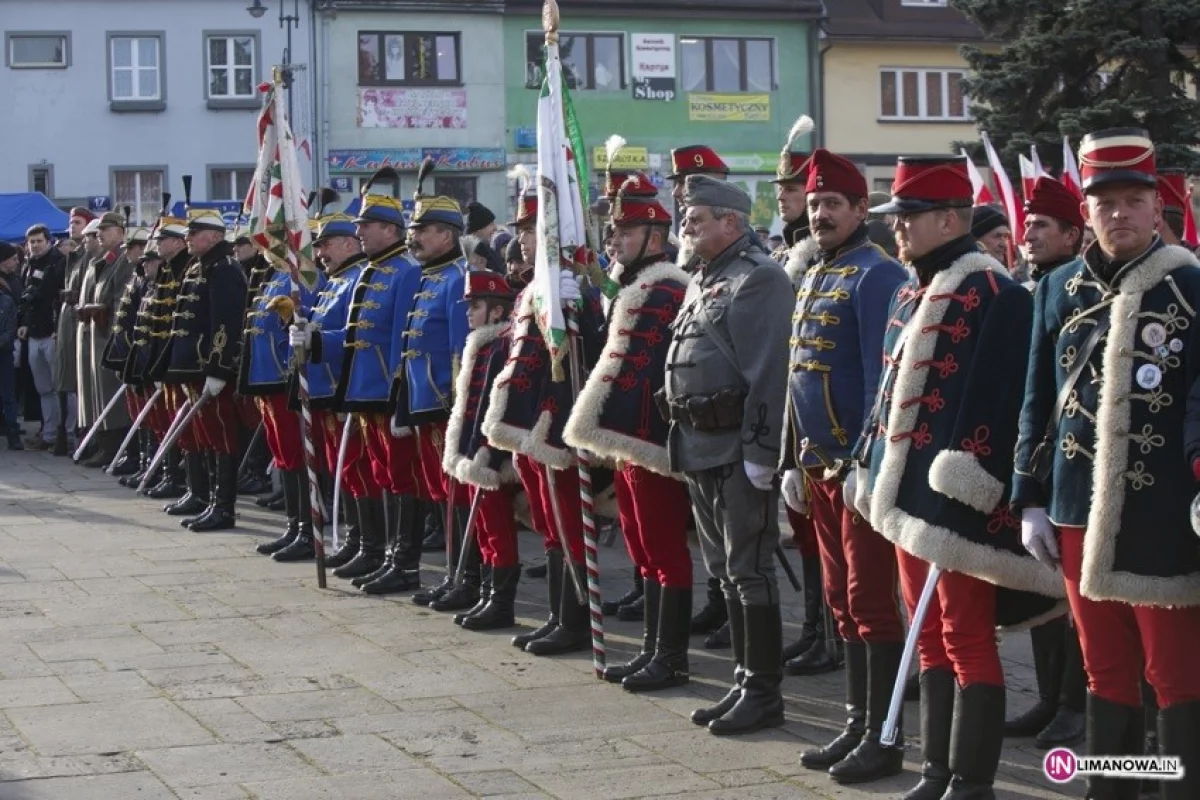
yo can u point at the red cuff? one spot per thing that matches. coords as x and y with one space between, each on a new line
1196 468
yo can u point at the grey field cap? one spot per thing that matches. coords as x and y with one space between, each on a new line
705 190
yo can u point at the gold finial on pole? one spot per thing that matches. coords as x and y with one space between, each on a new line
550 21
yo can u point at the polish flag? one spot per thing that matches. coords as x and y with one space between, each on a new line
983 195
1014 209
1038 169
1070 174
1029 176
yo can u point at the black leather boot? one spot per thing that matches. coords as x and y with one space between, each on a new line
197 497
573 632
401 571
145 447
173 483
1113 729
873 760
652 591
856 713
291 504
937 719
302 547
351 535
554 588
1047 642
975 742
372 540
434 539
1179 736
220 515
718 639
1069 723
391 518
737 623
633 612
500 609
761 703
817 659
268 500
130 461
208 465
485 594
611 607
107 443
254 479
427 596
464 594
714 614
669 666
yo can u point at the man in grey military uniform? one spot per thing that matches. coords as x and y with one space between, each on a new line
725 388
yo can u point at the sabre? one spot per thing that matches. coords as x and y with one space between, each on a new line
467 532
258 433
891 726
137 423
112 403
179 415
337 479
787 568
170 438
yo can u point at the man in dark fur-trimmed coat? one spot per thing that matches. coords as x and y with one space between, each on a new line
1124 459
615 417
939 455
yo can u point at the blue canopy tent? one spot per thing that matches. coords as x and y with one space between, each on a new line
20 211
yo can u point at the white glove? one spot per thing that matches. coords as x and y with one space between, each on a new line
158 385
760 477
399 431
213 386
1037 534
793 491
300 337
850 489
568 287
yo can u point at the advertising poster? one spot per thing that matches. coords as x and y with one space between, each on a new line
412 108
706 107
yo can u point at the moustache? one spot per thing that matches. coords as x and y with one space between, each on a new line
823 225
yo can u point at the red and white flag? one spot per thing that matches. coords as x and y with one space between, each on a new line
1070 173
1029 176
983 195
1014 209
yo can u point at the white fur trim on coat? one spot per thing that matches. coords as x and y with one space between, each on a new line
453 462
799 259
935 543
1098 579
959 475
583 428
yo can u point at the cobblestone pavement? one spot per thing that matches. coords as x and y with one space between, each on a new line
140 660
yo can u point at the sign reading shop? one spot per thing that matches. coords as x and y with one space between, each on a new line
653 73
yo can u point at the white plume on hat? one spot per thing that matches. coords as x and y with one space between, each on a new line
803 125
523 176
615 144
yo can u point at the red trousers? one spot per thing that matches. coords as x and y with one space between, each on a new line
654 512
495 526
216 423
356 471
804 533
176 396
281 428
159 418
959 630
1115 638
858 569
248 412
566 488
394 464
431 441
135 400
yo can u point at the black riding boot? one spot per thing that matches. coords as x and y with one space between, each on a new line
349 546
554 589
1047 641
221 513
761 702
130 462
975 742
1113 729
856 713
402 573
611 607
1179 736
616 673
873 760
372 539
669 665
714 614
173 482
427 596
1067 726
499 611
464 594
937 719
145 446
196 499
485 594
210 469
737 629
391 518
573 632
302 547
291 503
816 659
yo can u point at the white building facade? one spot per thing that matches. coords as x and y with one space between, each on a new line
111 103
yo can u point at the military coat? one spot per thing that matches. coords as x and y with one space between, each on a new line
468 458
265 365
330 311
206 326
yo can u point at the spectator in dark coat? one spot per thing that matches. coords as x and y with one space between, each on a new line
10 299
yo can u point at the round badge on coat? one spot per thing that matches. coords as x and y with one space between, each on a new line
1149 376
1176 345
1154 334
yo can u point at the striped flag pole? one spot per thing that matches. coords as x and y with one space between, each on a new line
310 456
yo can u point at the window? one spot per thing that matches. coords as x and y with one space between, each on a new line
925 3
728 65
136 71
41 179
408 59
589 60
141 189
922 94
39 50
461 188
229 183
231 66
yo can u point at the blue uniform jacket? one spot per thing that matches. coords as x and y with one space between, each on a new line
265 353
1129 432
431 342
836 346
381 297
330 311
206 334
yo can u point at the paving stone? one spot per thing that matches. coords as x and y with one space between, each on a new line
109 686
497 783
229 722
354 755
18 692
314 705
226 763
109 726
420 783
621 782
126 786
132 644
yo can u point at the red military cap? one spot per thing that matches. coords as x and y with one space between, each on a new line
527 201
614 179
486 284
694 159
1051 198
1119 155
1172 187
83 213
637 203
923 183
829 172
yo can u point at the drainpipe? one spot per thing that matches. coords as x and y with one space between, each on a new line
817 46
323 103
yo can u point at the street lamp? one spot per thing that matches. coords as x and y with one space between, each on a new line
287 22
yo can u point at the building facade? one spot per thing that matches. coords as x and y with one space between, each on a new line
111 103
664 74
